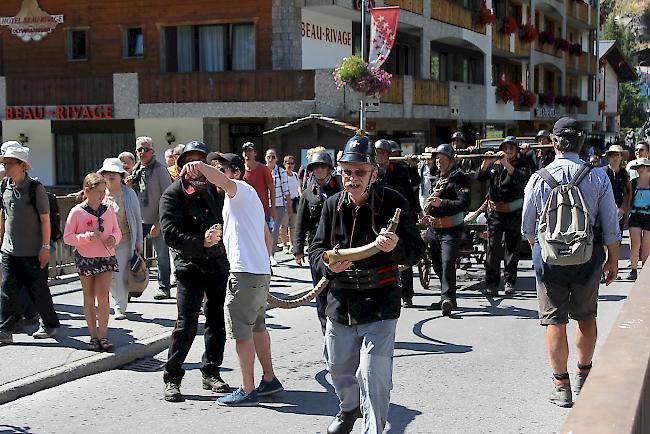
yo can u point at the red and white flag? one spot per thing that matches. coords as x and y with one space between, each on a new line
383 30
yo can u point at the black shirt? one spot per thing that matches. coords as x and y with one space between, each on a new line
503 186
619 182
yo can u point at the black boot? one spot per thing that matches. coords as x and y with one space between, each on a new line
344 422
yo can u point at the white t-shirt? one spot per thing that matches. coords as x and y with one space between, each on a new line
631 172
293 185
243 231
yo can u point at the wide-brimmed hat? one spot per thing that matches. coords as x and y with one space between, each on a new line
113 165
9 144
19 153
615 148
640 162
510 139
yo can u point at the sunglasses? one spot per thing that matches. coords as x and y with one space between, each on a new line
272 157
358 173
143 150
289 163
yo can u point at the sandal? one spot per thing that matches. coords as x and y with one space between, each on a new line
94 344
105 344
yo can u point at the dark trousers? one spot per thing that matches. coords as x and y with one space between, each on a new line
192 285
20 274
321 300
406 276
445 244
504 236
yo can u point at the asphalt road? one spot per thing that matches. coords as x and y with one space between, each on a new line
484 370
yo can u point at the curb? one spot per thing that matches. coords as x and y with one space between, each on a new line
90 365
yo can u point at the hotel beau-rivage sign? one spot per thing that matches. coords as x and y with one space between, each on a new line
31 23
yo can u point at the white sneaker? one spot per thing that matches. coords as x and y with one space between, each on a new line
119 314
273 261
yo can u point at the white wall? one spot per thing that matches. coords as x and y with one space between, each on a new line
185 130
40 144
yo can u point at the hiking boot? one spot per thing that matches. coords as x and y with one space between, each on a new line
215 383
561 395
446 307
173 392
344 422
162 294
580 378
239 398
6 338
631 275
44 332
269 387
408 302
510 288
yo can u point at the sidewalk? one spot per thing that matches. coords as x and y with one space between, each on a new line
41 364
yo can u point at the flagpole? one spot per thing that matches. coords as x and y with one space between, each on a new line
362 110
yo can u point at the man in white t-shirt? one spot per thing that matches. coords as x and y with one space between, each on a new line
245 236
640 151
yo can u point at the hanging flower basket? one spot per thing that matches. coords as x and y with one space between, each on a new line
547 98
485 15
562 44
528 98
509 25
546 38
508 91
528 32
354 72
562 100
576 50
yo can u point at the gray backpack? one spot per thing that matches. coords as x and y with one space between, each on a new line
565 233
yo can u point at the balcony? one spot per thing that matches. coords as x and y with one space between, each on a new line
452 13
578 10
522 48
59 91
414 6
430 92
500 41
395 94
228 86
548 49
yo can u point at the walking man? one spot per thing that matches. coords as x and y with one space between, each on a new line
571 291
363 302
244 233
189 211
25 233
149 179
282 196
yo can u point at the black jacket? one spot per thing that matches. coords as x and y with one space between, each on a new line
505 187
455 196
398 178
309 211
184 219
344 224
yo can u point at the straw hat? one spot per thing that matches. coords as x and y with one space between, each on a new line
615 148
640 162
19 153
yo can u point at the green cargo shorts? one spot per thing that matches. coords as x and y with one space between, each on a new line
245 305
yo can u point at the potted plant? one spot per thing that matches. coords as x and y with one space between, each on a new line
576 49
546 38
354 72
509 25
528 32
547 98
561 100
485 15
562 44
528 98
507 91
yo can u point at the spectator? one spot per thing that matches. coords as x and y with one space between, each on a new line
171 155
149 179
127 209
620 181
640 216
282 195
25 251
288 223
128 161
640 151
250 278
571 291
259 176
93 230
303 172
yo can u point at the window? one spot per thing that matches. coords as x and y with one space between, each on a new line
133 42
77 45
435 65
208 48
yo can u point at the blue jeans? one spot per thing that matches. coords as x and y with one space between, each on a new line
162 258
360 361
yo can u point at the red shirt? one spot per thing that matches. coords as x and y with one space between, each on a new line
261 180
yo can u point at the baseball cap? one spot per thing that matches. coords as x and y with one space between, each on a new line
212 156
248 145
566 125
234 161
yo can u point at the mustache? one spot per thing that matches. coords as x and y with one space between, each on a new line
352 184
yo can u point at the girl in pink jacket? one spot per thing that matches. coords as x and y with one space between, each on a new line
93 230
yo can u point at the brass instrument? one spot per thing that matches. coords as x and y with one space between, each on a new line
331 257
437 189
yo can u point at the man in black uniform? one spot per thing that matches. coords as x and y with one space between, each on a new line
410 164
189 210
396 176
321 186
445 208
507 176
539 158
364 297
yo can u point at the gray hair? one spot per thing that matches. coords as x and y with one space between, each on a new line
568 142
126 154
143 139
178 149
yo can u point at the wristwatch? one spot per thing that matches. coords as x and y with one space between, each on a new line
45 247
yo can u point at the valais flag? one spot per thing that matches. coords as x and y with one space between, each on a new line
383 29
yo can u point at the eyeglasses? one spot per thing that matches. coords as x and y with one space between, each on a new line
143 150
358 173
289 163
271 157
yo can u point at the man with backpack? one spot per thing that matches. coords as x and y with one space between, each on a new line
569 214
25 230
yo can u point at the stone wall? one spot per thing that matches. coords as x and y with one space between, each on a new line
287 49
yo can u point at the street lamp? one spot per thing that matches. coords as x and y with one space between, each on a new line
22 138
171 138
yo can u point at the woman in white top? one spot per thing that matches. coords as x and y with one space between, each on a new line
288 222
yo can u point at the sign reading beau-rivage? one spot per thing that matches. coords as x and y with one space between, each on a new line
325 39
31 23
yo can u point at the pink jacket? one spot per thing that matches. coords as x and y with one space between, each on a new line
80 226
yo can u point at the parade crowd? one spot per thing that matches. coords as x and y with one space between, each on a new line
216 220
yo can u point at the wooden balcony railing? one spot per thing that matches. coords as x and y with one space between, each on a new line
548 49
500 41
227 86
579 10
60 91
452 13
395 94
430 92
522 48
408 5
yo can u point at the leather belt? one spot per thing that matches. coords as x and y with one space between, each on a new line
366 279
513 206
447 221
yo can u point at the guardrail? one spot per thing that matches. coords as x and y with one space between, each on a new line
616 397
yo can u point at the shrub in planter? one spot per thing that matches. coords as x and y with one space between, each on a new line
528 32
509 25
547 98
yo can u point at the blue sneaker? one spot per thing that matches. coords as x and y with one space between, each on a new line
239 398
269 387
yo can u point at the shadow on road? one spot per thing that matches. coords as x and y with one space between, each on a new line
9 429
433 346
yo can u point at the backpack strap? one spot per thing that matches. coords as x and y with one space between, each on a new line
584 171
3 188
547 177
33 185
